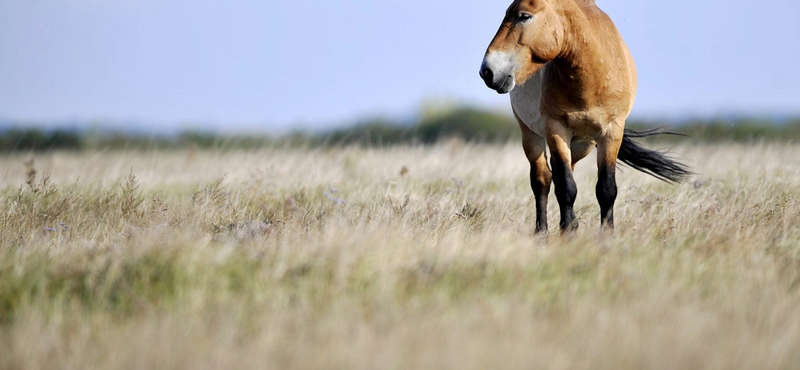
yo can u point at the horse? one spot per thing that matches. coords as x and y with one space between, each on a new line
572 84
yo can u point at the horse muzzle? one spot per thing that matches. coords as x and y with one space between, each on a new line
502 83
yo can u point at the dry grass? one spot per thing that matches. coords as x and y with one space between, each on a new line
330 258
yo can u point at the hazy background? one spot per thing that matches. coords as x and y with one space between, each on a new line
279 65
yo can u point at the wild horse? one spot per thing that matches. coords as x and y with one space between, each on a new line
572 81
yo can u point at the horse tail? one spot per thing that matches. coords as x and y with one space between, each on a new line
654 163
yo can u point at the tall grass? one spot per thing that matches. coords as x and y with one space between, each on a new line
393 258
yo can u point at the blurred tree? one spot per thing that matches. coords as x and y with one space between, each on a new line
469 124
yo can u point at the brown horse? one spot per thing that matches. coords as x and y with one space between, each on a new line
573 82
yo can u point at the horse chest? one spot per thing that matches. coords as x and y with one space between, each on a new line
526 100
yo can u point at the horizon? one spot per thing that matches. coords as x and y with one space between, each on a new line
160 130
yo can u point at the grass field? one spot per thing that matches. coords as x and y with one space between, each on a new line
394 258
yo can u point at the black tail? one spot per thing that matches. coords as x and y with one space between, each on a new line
649 161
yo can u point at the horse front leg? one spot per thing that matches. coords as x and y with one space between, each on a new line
558 139
541 176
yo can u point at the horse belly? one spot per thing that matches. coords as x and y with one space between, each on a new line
525 102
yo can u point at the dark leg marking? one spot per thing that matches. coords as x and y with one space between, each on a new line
566 191
606 191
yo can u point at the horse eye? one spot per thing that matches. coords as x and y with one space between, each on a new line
522 17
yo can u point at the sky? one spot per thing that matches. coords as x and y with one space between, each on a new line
277 65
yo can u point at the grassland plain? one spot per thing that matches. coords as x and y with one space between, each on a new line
317 258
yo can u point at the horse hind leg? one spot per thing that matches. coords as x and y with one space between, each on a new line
606 189
541 176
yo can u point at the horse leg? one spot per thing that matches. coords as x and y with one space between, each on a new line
558 140
541 176
606 189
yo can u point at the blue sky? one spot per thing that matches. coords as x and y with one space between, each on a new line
256 64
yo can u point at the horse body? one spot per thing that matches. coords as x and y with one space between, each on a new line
572 81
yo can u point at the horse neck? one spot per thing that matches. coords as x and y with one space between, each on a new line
581 60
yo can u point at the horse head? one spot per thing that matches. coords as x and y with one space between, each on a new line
531 34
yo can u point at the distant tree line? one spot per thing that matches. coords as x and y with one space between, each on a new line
469 124
36 139
728 130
